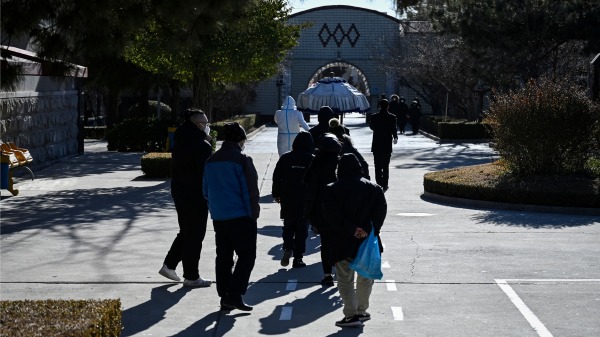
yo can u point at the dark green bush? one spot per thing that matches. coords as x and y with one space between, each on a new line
157 165
548 127
138 135
463 130
65 318
95 132
246 121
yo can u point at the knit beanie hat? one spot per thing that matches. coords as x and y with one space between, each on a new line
336 128
233 132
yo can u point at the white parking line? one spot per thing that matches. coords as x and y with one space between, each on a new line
286 314
524 309
291 285
391 285
397 312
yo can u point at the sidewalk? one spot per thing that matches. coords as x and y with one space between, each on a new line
93 227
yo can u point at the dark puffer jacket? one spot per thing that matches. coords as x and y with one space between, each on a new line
288 174
188 158
351 202
320 173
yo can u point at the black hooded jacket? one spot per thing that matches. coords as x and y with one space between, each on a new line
189 155
351 202
325 114
288 174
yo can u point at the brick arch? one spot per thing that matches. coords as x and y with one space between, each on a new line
358 79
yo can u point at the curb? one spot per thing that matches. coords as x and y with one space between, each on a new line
483 204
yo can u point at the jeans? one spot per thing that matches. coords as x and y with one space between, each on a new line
192 215
356 301
234 236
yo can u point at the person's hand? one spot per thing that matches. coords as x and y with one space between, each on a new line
395 141
359 233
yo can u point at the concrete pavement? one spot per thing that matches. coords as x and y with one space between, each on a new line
93 227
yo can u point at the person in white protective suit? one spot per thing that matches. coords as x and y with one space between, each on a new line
289 120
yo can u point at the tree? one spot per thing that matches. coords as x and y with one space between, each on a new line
95 33
246 49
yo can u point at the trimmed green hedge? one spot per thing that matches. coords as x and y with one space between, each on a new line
158 164
94 132
455 129
65 318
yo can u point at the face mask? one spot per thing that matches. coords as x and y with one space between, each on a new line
243 146
207 130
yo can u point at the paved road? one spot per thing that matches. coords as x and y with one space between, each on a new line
93 227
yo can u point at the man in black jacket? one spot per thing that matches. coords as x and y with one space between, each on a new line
353 206
189 155
384 129
289 191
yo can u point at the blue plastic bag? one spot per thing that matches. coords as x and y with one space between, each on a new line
367 262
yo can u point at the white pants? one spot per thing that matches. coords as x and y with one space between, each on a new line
284 142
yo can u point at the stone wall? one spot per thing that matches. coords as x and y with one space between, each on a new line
43 122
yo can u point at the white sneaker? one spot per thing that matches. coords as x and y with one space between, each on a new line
199 283
169 273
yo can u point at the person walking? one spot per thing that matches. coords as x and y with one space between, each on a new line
325 114
320 173
402 115
289 121
289 191
348 145
190 151
394 108
415 115
353 206
230 185
384 129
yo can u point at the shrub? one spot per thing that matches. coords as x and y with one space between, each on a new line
67 318
246 121
156 165
95 132
138 135
547 127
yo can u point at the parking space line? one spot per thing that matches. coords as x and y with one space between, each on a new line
291 285
391 285
531 318
286 314
397 312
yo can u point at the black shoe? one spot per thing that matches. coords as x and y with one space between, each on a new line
228 304
285 260
327 281
349 321
363 317
298 263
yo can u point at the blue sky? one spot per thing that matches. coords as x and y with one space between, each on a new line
378 5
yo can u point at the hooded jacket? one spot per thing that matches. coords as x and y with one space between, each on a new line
288 174
351 202
289 120
230 184
325 114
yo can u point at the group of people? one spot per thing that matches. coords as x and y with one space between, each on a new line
224 183
323 182
405 113
320 180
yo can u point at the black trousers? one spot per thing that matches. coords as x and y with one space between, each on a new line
327 250
234 236
192 215
382 168
295 232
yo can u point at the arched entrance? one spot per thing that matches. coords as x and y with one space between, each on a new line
347 71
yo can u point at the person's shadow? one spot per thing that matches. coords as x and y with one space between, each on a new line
144 315
216 323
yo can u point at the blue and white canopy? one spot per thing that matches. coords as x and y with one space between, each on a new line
334 92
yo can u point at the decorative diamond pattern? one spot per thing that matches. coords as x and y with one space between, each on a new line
338 35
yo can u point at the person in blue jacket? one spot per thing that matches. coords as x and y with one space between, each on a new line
230 185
